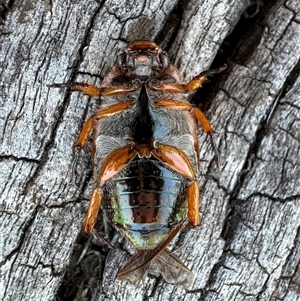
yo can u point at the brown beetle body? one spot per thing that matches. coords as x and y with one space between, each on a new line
146 157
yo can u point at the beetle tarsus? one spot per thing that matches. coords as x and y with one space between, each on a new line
99 238
216 151
183 237
215 71
59 85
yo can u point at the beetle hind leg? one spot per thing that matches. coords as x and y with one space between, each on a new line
93 210
198 80
179 162
114 162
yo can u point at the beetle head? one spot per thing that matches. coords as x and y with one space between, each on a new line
143 59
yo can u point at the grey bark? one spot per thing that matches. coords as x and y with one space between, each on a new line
248 245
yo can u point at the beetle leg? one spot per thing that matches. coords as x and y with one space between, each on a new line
197 113
92 211
113 163
208 129
179 162
88 125
169 88
182 238
181 105
198 80
174 158
87 89
191 86
114 109
91 90
84 134
81 141
173 104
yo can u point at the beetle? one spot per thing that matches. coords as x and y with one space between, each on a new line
146 157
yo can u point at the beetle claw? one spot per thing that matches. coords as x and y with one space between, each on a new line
100 239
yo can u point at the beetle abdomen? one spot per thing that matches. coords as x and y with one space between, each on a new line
145 201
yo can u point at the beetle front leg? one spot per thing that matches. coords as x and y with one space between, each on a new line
86 89
191 86
94 91
198 80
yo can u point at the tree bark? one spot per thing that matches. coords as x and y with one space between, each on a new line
248 245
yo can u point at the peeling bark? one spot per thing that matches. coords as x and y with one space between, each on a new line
248 245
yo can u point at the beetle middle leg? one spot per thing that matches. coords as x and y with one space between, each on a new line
94 91
88 126
191 86
197 113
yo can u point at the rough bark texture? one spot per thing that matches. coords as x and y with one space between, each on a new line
248 246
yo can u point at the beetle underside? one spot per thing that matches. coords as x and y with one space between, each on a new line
146 158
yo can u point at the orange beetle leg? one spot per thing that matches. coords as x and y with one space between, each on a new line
116 90
175 158
86 89
113 163
198 80
209 130
191 86
179 86
172 104
93 91
82 87
193 204
86 129
179 162
181 105
93 209
114 109
170 88
88 125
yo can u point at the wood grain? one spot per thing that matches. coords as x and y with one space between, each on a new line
248 245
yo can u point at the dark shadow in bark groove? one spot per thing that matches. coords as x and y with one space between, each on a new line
236 48
5 6
169 31
82 278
